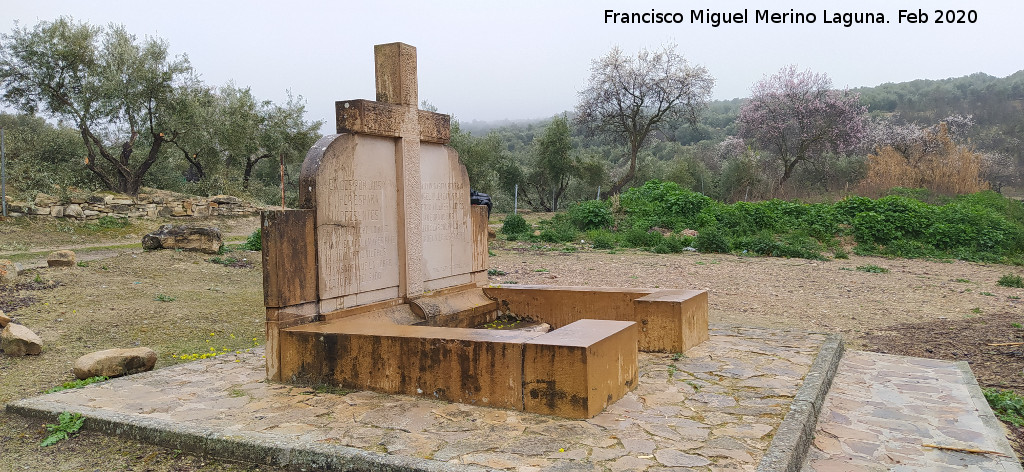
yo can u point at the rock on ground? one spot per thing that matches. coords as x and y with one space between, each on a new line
184 237
4 319
74 211
62 258
115 362
8 272
17 340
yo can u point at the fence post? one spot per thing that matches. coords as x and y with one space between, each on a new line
3 174
515 204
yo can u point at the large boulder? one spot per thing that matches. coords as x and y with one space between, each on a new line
184 237
17 340
62 258
115 362
8 272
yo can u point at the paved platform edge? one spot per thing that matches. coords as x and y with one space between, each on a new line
988 417
794 435
242 447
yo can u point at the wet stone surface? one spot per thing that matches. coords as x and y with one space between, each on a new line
883 409
714 408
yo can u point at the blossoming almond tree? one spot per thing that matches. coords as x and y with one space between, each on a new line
798 116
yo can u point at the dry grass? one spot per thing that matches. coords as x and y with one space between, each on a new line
940 165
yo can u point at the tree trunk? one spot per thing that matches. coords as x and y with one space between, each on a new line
250 163
630 174
787 171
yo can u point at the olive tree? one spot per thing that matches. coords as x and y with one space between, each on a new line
631 98
114 88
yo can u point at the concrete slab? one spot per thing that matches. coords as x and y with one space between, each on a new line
718 406
882 410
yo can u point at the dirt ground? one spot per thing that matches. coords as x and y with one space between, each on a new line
943 309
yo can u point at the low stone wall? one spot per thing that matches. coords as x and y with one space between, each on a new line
97 205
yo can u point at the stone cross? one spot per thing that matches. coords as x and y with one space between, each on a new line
395 114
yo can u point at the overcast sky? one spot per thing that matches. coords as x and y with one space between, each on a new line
491 60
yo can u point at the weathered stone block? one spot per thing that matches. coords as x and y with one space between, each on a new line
672 320
472 366
669 320
578 370
289 257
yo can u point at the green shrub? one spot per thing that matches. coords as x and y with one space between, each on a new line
663 204
254 242
592 214
794 244
672 244
762 244
601 239
711 239
641 238
1010 280
558 230
515 224
873 228
1006 404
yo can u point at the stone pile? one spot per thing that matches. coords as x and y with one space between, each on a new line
93 206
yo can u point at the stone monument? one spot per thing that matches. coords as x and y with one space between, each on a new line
378 280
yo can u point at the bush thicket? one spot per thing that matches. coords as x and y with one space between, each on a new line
983 226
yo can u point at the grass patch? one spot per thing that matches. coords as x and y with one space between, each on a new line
163 298
496 272
873 269
1011 280
107 223
76 384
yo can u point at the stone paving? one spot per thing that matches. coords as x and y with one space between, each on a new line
715 408
882 409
